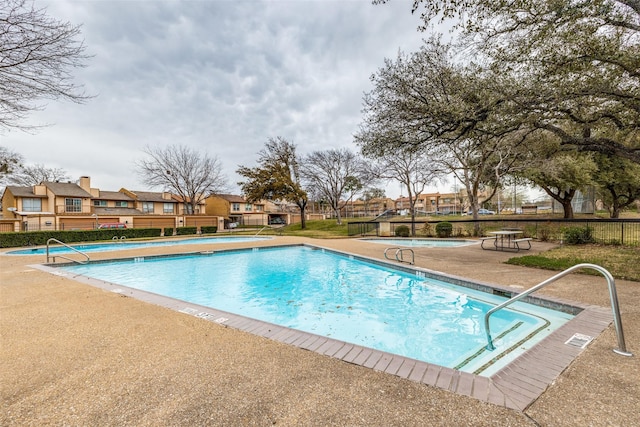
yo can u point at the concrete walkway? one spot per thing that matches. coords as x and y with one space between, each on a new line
74 355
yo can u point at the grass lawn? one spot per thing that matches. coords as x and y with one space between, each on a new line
622 262
325 229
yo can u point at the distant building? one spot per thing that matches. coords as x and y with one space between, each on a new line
70 206
237 210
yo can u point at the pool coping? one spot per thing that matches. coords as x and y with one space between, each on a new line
381 240
516 386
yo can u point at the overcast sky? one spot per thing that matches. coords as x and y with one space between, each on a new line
218 76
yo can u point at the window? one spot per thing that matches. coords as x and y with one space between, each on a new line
259 208
100 203
235 207
73 205
168 208
247 207
32 205
147 207
122 204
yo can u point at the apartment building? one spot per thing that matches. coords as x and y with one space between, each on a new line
237 210
71 205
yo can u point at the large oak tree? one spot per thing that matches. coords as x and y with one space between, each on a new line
578 62
277 176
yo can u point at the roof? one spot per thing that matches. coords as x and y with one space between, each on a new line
113 195
148 196
66 189
231 198
180 199
24 192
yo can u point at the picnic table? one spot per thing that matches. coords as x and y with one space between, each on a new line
506 240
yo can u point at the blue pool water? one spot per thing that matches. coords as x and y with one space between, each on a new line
423 243
345 298
122 245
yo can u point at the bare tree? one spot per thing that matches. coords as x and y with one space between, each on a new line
453 113
37 55
411 167
190 174
337 175
10 161
33 175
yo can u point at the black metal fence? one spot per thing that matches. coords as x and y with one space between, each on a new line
606 231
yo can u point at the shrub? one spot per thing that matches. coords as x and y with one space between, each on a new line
209 229
578 235
544 233
181 231
168 231
402 231
426 230
444 229
30 238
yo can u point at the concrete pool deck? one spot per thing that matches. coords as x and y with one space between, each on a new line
77 355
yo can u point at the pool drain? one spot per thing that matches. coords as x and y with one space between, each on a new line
579 340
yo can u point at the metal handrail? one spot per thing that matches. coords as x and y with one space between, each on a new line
622 349
261 230
62 256
399 255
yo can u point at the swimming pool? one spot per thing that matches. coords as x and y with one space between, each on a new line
122 245
346 298
423 243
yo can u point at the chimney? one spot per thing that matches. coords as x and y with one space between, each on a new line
85 183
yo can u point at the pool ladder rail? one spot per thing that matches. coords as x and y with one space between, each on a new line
399 254
67 258
621 350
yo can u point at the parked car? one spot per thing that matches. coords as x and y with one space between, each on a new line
112 225
277 220
483 212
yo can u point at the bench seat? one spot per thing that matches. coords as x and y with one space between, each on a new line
482 239
523 239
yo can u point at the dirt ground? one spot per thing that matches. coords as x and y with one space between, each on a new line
77 355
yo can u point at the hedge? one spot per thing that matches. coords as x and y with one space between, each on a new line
402 231
181 231
209 229
444 229
36 238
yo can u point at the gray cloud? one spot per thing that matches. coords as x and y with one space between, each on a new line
219 76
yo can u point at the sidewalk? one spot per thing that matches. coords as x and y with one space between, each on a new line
77 355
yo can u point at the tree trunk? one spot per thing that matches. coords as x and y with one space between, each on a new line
564 197
338 216
413 222
303 220
615 211
567 208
